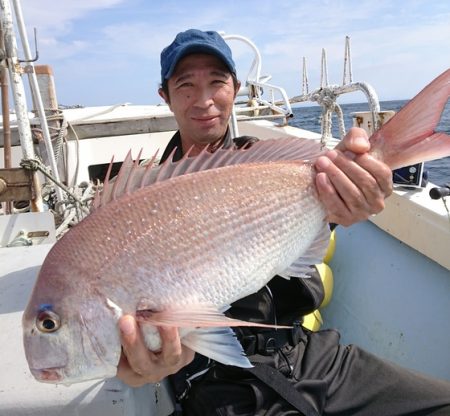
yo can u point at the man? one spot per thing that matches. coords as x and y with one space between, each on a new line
296 372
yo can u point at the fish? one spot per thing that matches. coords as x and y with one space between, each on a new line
176 245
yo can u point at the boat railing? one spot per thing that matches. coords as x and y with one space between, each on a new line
257 99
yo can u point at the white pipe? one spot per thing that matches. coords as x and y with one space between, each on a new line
256 64
37 97
16 81
336 90
233 125
18 91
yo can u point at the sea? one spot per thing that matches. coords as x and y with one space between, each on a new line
308 118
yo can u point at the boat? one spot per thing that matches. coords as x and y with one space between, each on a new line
390 275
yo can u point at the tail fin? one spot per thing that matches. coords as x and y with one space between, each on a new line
409 137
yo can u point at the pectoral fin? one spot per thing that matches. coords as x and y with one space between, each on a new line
194 316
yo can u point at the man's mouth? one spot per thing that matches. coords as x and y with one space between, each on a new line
205 119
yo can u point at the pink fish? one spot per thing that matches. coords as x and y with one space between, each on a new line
176 245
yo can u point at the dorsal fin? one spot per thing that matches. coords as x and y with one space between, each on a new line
132 176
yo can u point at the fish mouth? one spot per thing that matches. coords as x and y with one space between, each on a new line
49 375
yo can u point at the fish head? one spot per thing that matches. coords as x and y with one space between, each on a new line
68 337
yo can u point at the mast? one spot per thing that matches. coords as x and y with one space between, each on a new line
37 96
5 116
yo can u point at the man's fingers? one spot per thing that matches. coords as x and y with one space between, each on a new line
138 365
343 177
352 186
128 329
173 353
128 375
330 198
372 180
356 141
138 356
356 185
380 171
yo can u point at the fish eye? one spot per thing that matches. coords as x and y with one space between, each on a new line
47 321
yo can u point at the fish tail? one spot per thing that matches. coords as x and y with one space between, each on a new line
410 137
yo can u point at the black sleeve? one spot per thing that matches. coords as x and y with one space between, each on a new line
244 141
296 297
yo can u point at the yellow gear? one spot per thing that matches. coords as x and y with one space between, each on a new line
331 248
326 274
313 321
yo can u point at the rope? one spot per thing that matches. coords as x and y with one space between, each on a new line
37 165
72 209
72 213
57 137
327 99
60 139
340 116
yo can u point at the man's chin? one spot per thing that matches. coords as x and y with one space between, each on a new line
212 135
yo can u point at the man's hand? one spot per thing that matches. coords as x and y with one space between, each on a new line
352 184
138 365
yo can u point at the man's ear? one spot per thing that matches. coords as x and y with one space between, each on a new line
238 87
164 96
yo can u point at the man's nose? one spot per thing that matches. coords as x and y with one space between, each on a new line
204 98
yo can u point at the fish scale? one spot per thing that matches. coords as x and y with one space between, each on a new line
251 221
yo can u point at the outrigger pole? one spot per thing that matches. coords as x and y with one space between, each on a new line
18 91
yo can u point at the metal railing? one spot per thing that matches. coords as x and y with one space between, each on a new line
256 88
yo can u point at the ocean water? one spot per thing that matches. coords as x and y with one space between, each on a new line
308 118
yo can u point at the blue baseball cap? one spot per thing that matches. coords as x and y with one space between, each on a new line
194 41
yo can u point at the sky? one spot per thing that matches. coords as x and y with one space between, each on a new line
106 52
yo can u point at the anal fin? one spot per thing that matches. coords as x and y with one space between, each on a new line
219 344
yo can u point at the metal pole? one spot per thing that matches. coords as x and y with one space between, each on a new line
37 96
23 122
5 115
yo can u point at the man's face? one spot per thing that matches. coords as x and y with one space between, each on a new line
201 95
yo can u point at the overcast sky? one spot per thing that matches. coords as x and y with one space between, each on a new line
106 52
